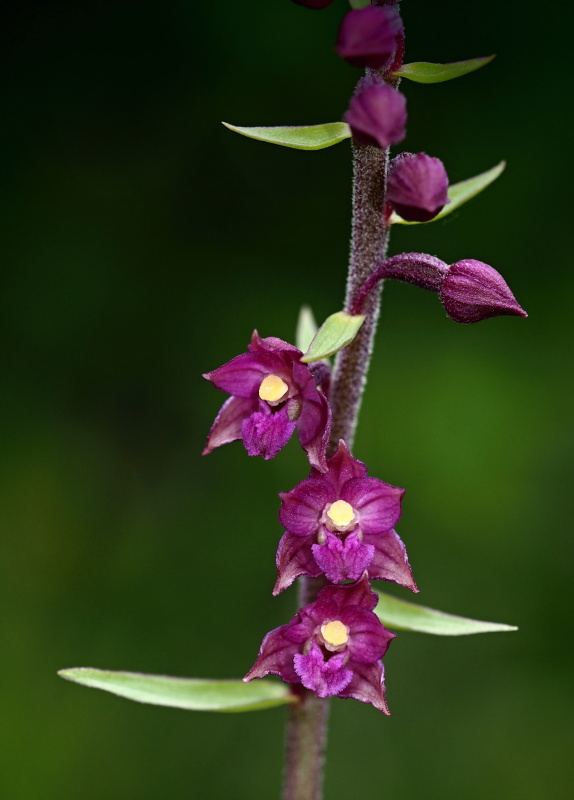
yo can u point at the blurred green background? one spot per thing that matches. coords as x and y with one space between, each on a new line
141 243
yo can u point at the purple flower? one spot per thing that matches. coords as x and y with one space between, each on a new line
368 36
272 393
341 523
317 4
417 186
472 291
377 114
333 646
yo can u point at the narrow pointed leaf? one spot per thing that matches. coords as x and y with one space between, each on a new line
336 332
460 193
191 694
302 137
306 329
425 72
402 615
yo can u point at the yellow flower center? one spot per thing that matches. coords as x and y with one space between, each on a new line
273 389
341 514
334 634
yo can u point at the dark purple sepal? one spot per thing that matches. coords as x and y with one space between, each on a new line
265 434
343 560
377 114
275 657
472 291
389 561
368 36
242 375
228 423
314 424
294 558
302 507
324 678
378 503
417 186
367 686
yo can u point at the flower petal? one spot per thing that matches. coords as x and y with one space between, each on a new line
343 467
294 558
275 656
378 504
227 425
390 562
242 375
367 685
368 641
302 507
315 420
272 344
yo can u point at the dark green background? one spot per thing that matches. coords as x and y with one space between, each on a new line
141 244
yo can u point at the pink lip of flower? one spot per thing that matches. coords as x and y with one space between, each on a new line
272 393
340 524
333 646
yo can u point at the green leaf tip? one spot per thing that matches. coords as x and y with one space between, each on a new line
459 194
191 694
302 137
336 332
425 72
402 615
306 329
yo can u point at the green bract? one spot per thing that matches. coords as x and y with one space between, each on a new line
191 694
460 193
359 3
336 332
425 72
402 615
306 329
302 137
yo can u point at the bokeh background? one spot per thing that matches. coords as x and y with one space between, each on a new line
141 243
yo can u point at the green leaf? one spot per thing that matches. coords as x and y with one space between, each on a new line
303 137
336 332
425 72
360 3
460 193
306 329
405 616
192 694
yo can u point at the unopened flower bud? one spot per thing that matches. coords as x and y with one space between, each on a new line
417 187
368 36
472 291
316 4
377 114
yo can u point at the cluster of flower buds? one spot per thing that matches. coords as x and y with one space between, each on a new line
339 523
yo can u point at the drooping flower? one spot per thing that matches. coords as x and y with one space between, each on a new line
340 524
272 393
472 291
417 186
377 114
333 646
368 36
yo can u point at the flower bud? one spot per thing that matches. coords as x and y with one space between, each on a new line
417 187
377 114
472 291
317 4
368 36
